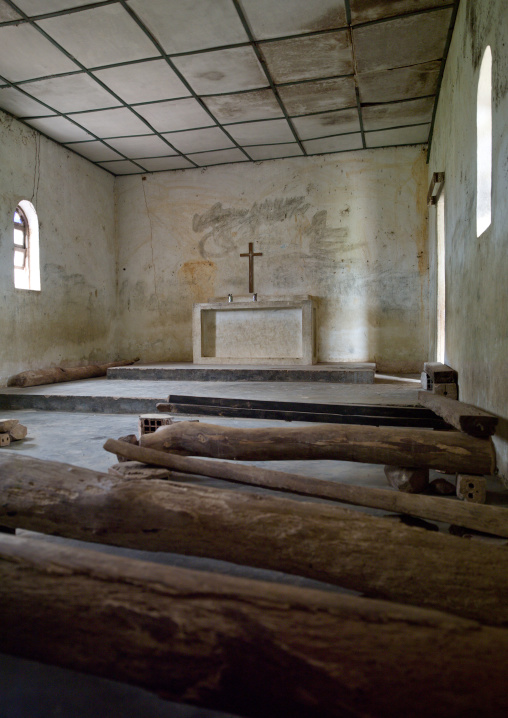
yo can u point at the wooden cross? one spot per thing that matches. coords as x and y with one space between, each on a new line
251 254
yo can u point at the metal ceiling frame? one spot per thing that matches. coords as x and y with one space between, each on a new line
255 44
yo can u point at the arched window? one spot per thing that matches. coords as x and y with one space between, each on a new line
484 145
26 247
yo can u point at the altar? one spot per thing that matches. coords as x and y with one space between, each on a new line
271 330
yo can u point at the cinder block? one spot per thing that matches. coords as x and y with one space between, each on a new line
448 390
148 423
471 488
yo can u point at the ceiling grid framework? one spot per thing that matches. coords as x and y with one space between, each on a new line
141 86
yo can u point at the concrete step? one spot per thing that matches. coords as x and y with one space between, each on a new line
121 396
347 373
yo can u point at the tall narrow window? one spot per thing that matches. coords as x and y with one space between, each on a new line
26 247
441 287
484 145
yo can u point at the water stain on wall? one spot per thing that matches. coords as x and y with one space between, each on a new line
199 278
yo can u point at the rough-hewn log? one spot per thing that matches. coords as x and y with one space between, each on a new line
204 639
138 470
36 377
246 647
327 543
450 451
489 519
465 417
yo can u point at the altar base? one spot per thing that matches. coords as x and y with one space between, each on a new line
274 331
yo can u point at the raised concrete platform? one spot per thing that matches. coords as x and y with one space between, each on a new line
107 396
350 373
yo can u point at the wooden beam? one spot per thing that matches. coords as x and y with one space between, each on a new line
417 419
304 406
246 647
465 417
449 451
488 519
338 546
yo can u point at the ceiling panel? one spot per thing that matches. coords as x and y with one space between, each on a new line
143 81
175 84
302 99
369 10
327 123
71 93
7 13
404 41
399 83
272 152
308 58
141 146
112 123
39 7
100 36
245 106
158 164
219 71
399 136
18 104
25 54
191 25
293 17
395 114
95 151
175 115
60 129
340 143
257 133
123 167
218 158
212 138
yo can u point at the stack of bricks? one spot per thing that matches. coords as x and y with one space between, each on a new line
11 430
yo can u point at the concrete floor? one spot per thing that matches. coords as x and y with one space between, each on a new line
32 690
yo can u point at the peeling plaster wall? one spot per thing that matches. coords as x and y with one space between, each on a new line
72 318
476 268
349 229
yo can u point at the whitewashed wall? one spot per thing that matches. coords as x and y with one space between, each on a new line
476 268
350 229
72 318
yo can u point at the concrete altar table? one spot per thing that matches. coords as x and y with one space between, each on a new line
272 330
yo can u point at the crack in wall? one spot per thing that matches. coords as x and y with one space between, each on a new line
151 247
